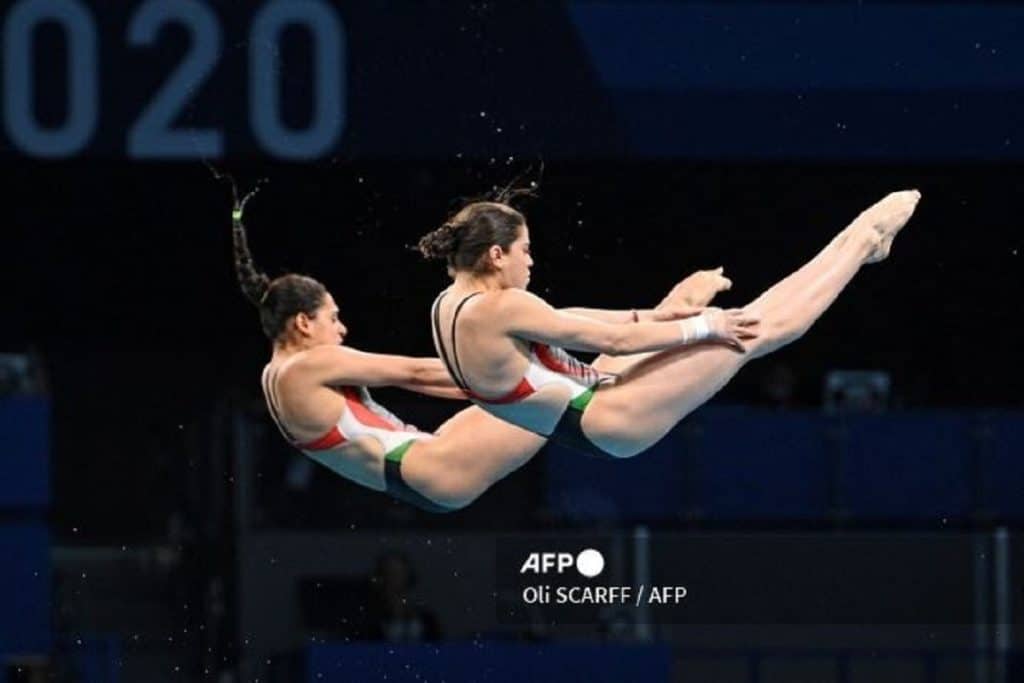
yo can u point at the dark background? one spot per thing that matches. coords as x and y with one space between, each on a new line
121 277
663 138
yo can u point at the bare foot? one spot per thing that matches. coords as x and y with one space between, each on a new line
697 289
882 221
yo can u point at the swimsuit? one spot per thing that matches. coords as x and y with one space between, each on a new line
548 365
365 417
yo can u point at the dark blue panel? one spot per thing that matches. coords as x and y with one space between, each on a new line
488 662
96 658
721 463
732 463
24 452
811 80
25 588
823 124
807 45
1002 465
761 464
906 466
649 486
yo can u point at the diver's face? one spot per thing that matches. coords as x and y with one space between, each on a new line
325 327
516 263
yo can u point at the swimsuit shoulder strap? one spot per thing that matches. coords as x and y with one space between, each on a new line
455 353
451 362
268 383
435 314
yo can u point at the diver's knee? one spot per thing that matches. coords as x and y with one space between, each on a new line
454 490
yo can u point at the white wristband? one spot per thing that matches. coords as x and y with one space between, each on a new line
695 329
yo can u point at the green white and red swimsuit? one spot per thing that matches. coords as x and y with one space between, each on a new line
362 417
548 365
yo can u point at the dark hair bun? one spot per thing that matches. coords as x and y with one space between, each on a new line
441 244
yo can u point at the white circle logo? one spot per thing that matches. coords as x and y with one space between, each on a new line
590 563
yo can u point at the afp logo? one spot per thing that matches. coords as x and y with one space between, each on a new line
589 563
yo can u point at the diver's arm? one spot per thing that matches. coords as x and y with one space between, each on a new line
344 366
526 316
431 378
633 315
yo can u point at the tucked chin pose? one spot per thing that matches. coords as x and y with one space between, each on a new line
316 391
502 345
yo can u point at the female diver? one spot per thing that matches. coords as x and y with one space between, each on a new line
501 344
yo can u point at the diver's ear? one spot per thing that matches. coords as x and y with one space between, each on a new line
303 323
496 255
